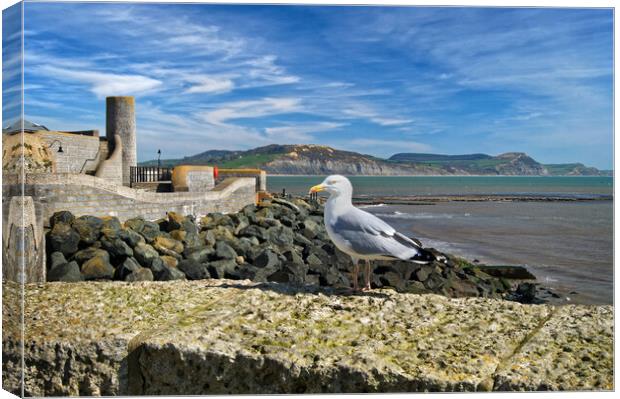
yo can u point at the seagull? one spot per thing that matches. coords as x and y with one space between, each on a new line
362 235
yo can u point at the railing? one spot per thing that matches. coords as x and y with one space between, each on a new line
145 174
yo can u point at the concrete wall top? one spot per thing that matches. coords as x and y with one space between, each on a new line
222 191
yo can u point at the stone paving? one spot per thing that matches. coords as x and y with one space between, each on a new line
224 336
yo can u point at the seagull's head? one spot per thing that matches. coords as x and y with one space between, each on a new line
335 185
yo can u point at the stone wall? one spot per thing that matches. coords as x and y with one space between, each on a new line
222 336
197 178
81 153
91 195
258 174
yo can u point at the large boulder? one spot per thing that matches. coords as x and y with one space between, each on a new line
222 268
310 229
255 231
65 217
128 266
243 246
147 256
170 261
141 274
97 268
178 234
130 237
68 272
135 224
289 274
175 221
88 227
391 279
300 239
83 255
223 233
193 269
208 237
168 243
150 231
423 273
293 256
200 254
163 224
215 219
509 272
116 247
266 259
224 251
280 235
63 238
169 273
56 258
268 222
111 226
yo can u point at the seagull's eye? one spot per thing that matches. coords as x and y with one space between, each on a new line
331 182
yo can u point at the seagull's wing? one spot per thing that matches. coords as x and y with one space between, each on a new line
366 234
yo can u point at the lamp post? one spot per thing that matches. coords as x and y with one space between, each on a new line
59 146
158 159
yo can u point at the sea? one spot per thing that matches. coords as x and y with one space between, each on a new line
568 245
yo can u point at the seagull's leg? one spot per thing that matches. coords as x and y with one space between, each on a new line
356 270
367 276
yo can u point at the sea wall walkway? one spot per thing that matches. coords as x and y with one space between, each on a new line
224 336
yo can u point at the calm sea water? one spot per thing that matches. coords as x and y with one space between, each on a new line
454 185
567 245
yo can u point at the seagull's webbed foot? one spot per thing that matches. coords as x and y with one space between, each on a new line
367 277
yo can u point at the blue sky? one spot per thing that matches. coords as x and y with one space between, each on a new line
377 80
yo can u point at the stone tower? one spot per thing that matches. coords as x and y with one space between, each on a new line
121 120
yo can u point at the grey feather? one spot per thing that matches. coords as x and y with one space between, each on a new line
366 234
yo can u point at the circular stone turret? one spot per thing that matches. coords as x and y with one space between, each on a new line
121 120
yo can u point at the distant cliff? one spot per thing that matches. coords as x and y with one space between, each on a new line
308 159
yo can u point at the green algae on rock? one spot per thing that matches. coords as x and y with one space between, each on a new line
225 336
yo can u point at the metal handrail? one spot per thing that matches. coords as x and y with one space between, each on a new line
147 174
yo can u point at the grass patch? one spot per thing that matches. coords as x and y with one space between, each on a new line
249 161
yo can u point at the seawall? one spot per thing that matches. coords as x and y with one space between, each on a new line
90 195
224 336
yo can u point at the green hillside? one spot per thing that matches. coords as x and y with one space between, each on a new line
320 160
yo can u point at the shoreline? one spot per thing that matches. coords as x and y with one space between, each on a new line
434 175
431 199
537 235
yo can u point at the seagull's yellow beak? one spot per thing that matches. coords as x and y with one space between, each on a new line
317 188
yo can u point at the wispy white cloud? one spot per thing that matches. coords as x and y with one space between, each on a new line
251 109
301 133
210 84
490 80
105 84
192 133
388 146
363 111
264 71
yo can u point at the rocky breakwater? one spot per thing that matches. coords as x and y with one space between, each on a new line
281 241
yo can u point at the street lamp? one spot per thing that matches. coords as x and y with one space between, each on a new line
158 158
59 145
